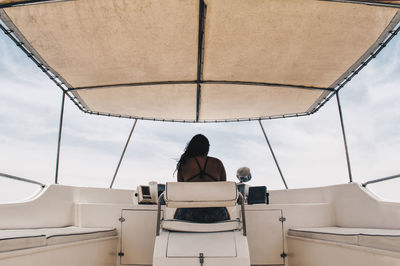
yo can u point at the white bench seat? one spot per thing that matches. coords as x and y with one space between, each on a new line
386 239
40 237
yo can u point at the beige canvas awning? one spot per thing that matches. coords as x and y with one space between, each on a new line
183 60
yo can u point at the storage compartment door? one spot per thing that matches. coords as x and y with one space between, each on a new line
217 244
265 236
138 234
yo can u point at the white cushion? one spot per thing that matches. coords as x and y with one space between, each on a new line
183 226
31 238
384 239
336 234
387 239
200 194
20 239
72 233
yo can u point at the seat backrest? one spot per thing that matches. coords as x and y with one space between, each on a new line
200 194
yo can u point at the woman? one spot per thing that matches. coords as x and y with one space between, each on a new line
195 166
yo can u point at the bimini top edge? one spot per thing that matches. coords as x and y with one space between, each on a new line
200 61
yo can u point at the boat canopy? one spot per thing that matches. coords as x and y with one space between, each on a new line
201 61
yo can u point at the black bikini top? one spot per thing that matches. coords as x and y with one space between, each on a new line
202 172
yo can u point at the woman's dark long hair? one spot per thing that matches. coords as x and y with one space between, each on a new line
197 146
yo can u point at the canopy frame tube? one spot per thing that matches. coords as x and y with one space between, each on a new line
23 179
59 136
27 2
26 49
200 55
380 180
273 154
393 30
177 82
366 2
123 153
344 138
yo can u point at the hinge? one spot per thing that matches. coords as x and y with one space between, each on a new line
282 219
201 257
283 255
122 219
121 254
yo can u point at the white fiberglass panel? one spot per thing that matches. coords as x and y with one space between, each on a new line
265 235
138 233
220 244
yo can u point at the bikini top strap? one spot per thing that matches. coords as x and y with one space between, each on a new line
202 172
198 164
192 177
205 164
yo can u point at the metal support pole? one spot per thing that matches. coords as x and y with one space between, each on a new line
59 136
273 154
123 153
244 227
344 137
23 179
158 227
200 55
378 180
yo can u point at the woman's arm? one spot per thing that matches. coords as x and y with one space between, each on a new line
222 171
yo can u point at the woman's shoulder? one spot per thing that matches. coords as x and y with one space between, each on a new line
215 159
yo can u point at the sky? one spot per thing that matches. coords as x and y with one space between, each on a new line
310 149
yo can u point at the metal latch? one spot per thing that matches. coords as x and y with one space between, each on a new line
121 254
122 219
283 255
282 219
201 257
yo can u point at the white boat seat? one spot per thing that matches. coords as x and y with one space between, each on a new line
386 239
184 243
40 237
200 194
184 226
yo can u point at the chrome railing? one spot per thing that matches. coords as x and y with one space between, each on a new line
23 179
243 212
380 180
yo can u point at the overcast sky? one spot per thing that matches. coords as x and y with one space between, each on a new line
309 149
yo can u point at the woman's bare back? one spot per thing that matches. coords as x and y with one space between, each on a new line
202 169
